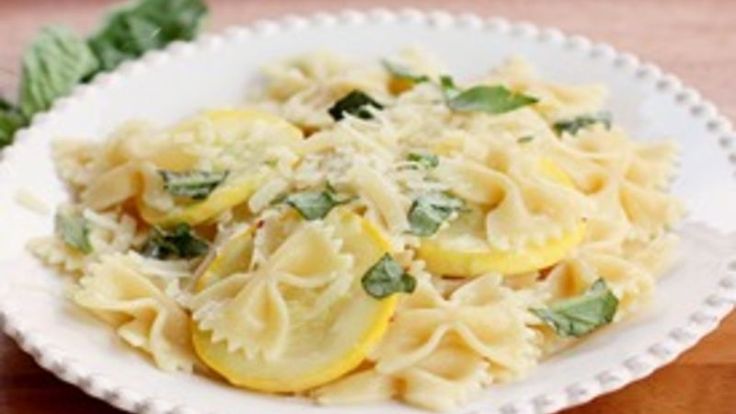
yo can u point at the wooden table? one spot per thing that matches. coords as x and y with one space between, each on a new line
694 39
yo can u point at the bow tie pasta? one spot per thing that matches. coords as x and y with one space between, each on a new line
358 232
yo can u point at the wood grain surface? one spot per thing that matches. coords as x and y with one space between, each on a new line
696 40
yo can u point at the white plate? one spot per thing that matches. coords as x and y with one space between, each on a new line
217 70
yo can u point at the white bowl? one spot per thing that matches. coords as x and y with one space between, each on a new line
217 70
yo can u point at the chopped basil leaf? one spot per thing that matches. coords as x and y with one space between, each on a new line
194 184
583 314
574 125
424 159
401 72
429 211
355 103
177 242
144 25
54 63
73 230
387 277
314 205
490 99
11 120
525 139
449 89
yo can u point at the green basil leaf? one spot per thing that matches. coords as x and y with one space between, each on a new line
315 205
194 184
574 125
490 99
578 316
424 159
11 120
429 211
525 139
177 242
54 63
387 277
145 25
401 72
73 229
355 103
449 89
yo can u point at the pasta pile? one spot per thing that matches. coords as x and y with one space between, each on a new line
362 231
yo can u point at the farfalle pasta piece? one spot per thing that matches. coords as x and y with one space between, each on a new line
653 164
555 100
439 352
625 180
482 315
144 316
255 319
521 204
303 88
631 281
445 379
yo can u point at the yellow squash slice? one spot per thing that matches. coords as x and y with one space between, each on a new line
460 250
243 132
319 348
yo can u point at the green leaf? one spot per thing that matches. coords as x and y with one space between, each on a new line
54 63
177 242
145 25
578 316
315 205
525 139
387 277
194 184
11 120
490 99
73 229
574 125
355 103
449 89
401 72
429 211
424 159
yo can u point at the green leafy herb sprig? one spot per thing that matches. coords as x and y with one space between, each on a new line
574 125
429 211
58 59
424 159
387 277
496 99
316 204
73 229
178 242
583 314
483 98
193 184
355 103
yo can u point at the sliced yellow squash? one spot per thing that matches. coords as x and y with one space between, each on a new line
461 250
242 133
228 195
320 348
